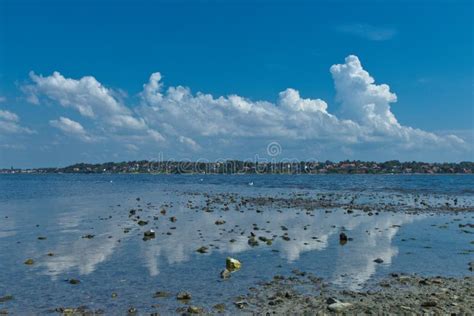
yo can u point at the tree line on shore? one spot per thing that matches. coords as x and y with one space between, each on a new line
252 167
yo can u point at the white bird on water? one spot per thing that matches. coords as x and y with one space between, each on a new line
250 183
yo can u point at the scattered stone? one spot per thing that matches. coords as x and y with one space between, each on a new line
342 238
183 296
339 307
149 234
429 304
232 264
41 238
173 219
29 261
6 298
253 242
220 222
74 281
202 249
219 308
142 223
241 304
88 236
161 294
225 274
195 310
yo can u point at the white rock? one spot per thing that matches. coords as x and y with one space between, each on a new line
339 307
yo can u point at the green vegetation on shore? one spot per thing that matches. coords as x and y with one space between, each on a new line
247 167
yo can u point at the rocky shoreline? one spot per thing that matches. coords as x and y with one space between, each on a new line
306 294
395 295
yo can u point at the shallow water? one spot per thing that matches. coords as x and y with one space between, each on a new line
64 208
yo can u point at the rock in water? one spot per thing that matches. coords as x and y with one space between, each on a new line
378 260
225 274
74 281
195 310
253 242
29 261
339 307
232 264
342 238
160 294
149 234
183 296
202 249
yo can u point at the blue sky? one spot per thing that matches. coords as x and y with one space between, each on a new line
97 108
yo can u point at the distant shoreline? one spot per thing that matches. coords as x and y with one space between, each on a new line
245 167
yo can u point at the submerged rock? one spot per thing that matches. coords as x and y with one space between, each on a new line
225 274
161 294
378 260
6 298
219 307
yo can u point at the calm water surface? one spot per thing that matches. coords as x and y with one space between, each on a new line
63 208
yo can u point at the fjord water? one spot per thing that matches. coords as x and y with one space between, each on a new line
64 208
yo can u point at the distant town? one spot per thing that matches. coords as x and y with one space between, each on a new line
246 167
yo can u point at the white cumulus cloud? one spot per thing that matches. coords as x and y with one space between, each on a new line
72 128
90 98
10 124
176 119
